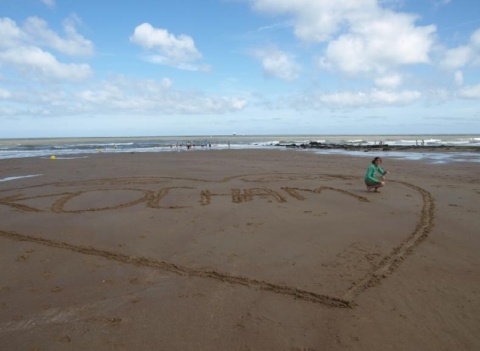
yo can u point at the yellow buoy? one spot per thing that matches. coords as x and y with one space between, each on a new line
53 157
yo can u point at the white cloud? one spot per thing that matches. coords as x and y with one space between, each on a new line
148 97
381 44
315 20
179 52
458 78
278 64
4 94
438 95
39 64
349 99
475 39
73 44
36 32
464 55
362 36
10 34
166 83
457 57
442 2
384 97
49 3
470 92
389 81
24 50
118 96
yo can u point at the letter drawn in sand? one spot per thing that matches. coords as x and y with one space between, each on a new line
295 192
243 195
11 202
206 196
170 202
86 197
111 201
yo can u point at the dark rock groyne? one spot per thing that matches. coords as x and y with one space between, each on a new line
380 147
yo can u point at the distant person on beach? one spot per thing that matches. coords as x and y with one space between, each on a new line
371 180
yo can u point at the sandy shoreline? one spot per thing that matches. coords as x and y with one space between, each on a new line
238 250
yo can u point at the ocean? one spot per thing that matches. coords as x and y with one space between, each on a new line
82 147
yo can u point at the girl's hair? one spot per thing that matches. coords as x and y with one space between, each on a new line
375 159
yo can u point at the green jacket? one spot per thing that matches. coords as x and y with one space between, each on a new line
372 171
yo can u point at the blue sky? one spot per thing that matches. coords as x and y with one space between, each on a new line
209 67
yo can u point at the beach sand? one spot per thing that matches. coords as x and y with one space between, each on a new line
238 250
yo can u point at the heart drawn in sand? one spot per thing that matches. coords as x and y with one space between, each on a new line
311 237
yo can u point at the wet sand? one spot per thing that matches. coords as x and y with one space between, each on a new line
237 250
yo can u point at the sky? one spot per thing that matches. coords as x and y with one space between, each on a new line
220 67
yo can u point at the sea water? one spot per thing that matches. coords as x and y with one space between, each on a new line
82 147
